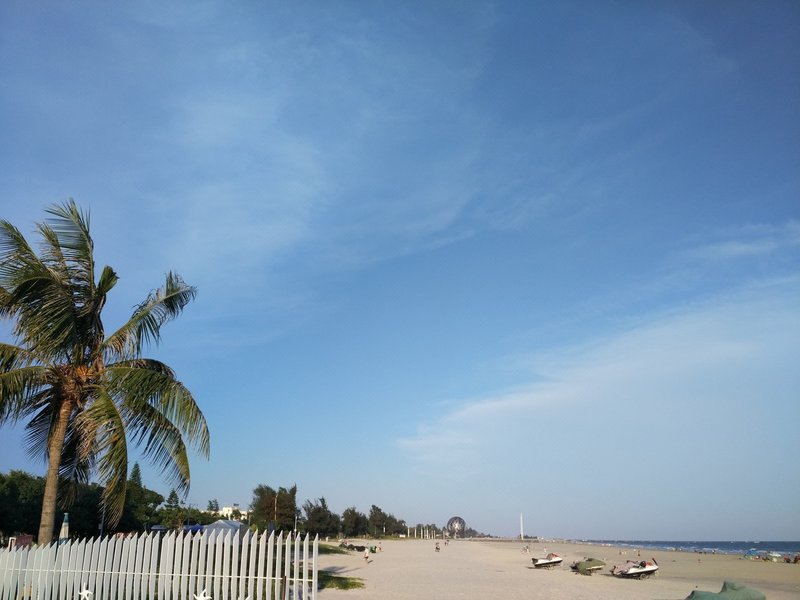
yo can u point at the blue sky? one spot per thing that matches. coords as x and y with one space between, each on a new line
453 257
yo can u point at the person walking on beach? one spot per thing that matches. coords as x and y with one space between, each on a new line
366 555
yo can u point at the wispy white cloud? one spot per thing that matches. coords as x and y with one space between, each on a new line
717 265
222 121
712 357
747 242
309 156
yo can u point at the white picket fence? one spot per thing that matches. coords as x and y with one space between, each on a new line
176 566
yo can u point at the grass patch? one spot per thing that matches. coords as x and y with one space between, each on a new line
328 580
328 549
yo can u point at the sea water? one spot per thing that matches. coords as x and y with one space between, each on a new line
742 547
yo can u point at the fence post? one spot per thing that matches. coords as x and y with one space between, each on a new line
173 567
314 580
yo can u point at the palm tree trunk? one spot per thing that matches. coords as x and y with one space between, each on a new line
50 499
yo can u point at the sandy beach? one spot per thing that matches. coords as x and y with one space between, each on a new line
465 569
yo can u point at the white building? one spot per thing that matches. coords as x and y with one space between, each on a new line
226 512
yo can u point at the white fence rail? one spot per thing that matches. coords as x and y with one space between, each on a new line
176 566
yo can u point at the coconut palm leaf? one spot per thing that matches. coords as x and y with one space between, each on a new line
150 382
18 389
15 252
103 432
144 326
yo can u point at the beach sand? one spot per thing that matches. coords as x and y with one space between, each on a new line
466 569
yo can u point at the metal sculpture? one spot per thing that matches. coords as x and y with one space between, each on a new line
456 526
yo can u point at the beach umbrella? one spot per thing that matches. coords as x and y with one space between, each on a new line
63 535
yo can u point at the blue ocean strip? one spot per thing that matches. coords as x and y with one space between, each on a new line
720 547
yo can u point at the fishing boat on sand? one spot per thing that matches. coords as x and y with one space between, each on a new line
635 570
548 562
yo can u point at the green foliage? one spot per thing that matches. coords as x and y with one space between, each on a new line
328 580
176 518
20 502
172 518
140 504
354 523
319 519
173 501
329 549
21 493
201 517
170 515
213 506
381 523
85 512
469 532
136 475
274 507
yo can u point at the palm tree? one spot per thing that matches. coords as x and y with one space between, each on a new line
87 396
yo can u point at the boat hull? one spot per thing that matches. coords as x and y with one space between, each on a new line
632 570
637 573
546 563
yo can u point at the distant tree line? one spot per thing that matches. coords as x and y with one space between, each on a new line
270 509
21 505
277 509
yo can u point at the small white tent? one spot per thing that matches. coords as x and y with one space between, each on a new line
224 525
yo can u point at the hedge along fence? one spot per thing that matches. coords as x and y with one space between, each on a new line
176 566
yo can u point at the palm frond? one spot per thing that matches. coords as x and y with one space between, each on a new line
19 390
150 382
122 368
74 275
163 444
15 253
108 279
92 324
79 454
13 357
72 237
68 250
46 316
144 326
18 266
38 297
52 254
4 299
40 427
102 431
